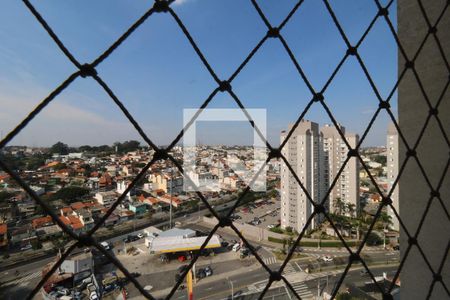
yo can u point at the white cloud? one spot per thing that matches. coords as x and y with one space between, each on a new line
180 2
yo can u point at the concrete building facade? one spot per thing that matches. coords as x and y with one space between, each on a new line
302 152
335 152
316 157
392 157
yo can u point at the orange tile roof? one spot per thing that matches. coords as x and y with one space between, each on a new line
65 220
39 222
3 229
66 209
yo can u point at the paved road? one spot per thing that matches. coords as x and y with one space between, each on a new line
221 289
29 274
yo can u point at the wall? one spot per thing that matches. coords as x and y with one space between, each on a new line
433 151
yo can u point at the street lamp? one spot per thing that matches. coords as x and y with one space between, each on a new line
232 290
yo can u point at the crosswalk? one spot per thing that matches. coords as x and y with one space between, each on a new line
23 280
270 260
301 289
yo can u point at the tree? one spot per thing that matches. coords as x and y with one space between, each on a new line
339 206
85 148
60 148
71 193
351 209
126 146
381 159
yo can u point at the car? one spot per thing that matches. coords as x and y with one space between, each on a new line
105 245
132 238
181 258
135 274
236 247
200 273
93 295
208 271
140 235
270 226
26 247
87 280
363 272
126 240
396 247
327 258
224 244
164 258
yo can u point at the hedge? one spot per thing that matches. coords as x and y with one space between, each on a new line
323 243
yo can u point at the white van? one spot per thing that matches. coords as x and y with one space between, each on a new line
236 247
105 245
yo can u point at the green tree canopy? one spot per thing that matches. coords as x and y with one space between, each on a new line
71 193
60 148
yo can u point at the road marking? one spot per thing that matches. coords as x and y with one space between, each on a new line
270 260
301 289
298 266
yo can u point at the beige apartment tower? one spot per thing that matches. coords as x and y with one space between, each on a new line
316 156
344 197
302 151
392 171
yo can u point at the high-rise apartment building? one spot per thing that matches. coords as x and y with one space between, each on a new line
302 151
316 156
346 190
392 171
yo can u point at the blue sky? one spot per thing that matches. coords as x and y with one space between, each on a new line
157 74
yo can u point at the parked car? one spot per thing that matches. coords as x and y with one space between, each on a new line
93 296
200 273
244 252
135 274
163 258
236 247
327 258
105 245
26 247
224 244
396 247
208 271
363 272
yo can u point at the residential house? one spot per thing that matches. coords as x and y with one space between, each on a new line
41 222
138 208
106 198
